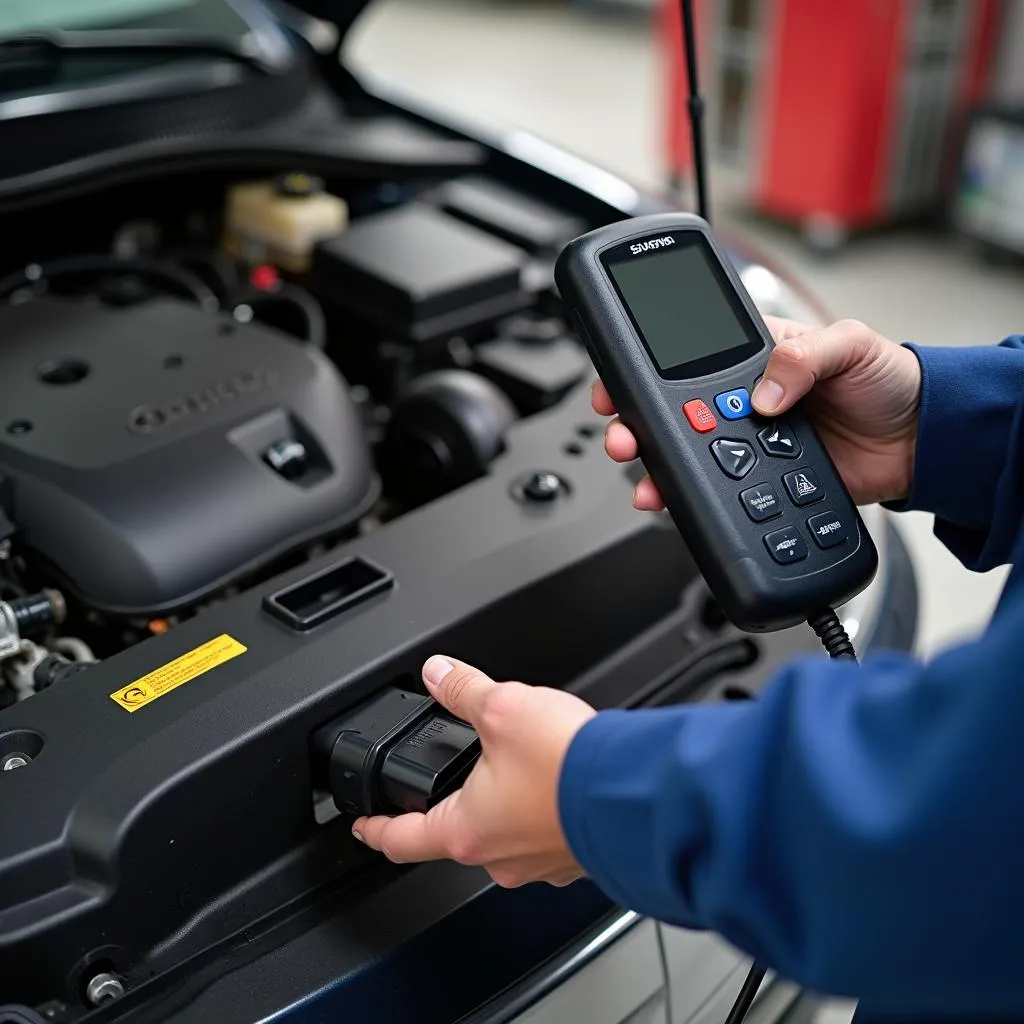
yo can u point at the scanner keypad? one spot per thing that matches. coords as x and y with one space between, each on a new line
778 495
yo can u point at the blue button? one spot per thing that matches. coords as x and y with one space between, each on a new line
734 405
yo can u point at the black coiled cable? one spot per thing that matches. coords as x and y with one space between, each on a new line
837 644
830 632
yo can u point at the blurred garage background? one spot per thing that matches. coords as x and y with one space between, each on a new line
874 147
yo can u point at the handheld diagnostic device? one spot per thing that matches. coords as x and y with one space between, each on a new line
680 345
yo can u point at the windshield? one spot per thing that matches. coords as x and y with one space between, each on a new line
211 17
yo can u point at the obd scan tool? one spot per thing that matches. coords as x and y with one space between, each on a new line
680 345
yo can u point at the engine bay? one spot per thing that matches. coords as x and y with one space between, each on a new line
187 416
267 441
269 438
288 403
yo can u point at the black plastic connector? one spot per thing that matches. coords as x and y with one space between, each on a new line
397 752
55 669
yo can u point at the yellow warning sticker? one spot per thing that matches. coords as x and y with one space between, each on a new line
175 673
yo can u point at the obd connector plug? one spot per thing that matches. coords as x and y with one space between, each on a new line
397 752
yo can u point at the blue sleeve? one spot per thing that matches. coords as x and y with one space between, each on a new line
970 445
859 829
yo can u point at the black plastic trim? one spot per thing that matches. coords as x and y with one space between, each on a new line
306 617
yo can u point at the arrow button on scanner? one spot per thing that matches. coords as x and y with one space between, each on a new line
778 440
736 458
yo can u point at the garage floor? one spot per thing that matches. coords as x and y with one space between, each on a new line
591 82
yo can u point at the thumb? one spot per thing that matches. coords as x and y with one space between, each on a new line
457 686
798 362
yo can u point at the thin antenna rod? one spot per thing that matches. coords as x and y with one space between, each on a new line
695 106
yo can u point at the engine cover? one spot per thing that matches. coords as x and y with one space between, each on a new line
154 454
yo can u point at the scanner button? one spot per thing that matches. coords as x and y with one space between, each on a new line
803 486
786 545
701 418
761 502
737 458
778 440
735 404
828 529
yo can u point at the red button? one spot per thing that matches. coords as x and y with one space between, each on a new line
701 418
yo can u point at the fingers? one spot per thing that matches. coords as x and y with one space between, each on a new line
601 400
782 329
517 871
461 688
798 361
412 837
620 443
646 497
621 446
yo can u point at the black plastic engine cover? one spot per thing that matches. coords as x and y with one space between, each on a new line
135 444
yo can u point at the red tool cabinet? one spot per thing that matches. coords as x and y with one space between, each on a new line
834 114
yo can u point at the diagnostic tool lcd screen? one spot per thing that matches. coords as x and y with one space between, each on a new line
685 309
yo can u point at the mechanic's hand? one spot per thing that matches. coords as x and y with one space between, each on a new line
862 393
505 817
